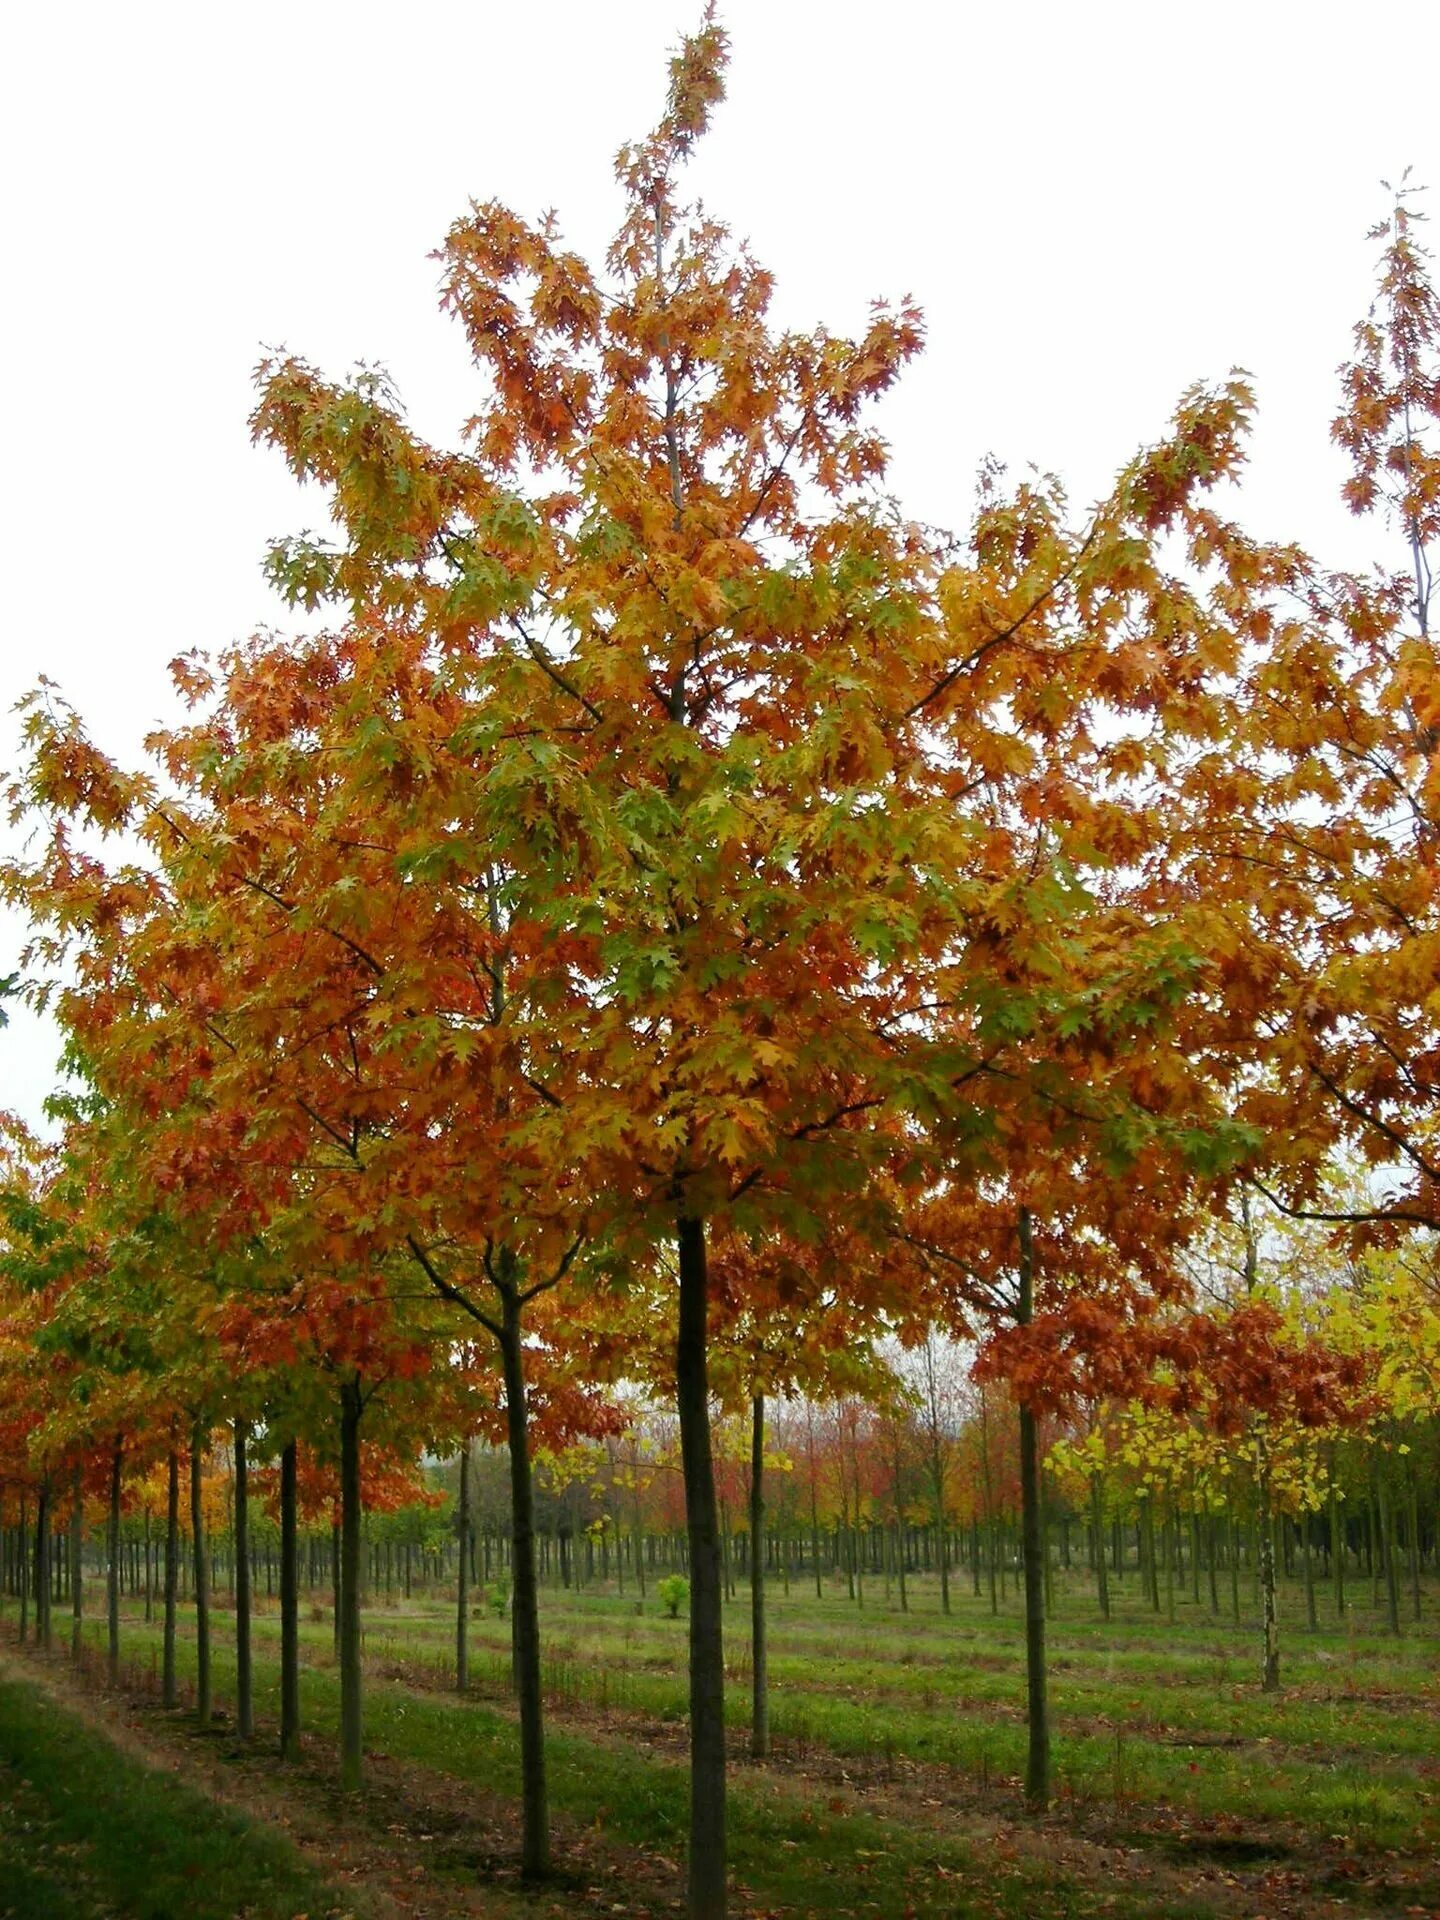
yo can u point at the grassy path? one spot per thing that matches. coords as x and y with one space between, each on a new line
1145 1713
794 1850
1184 1794
812 1841
88 1832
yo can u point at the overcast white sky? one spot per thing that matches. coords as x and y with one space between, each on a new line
1096 204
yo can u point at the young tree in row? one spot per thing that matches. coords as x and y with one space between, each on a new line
672 850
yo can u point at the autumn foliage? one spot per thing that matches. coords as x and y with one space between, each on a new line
679 922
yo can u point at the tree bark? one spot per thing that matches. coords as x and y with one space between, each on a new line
462 1573
172 1575
42 1566
975 1554
1212 1555
77 1563
1037 1765
760 1692
937 1471
22 1569
1269 1617
896 1532
289 1609
351 1709
990 1541
1097 1522
1387 1553
244 1688
1337 1544
707 1660
525 1598
1309 1569
112 1571
814 1501
1412 1522
202 1577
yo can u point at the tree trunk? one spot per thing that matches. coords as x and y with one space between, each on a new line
289 1608
1232 1536
760 1694
77 1563
112 1570
22 1567
814 1502
987 1501
1337 1545
1412 1523
937 1471
1152 1561
244 1690
1309 1570
638 1537
1387 1552
727 1585
525 1599
1269 1620
975 1554
1097 1522
351 1712
462 1573
707 1658
1037 1765
202 1578
172 1575
895 1535
42 1566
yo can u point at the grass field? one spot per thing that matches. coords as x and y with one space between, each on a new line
88 1830
1180 1788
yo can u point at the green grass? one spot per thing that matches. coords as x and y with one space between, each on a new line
86 1831
1144 1711
784 1846
1164 1744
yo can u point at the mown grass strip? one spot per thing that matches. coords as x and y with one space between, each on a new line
796 1850
1349 1771
86 1829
